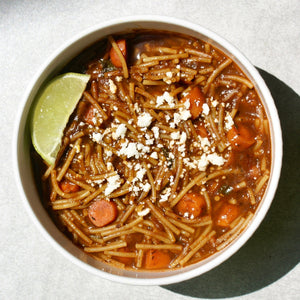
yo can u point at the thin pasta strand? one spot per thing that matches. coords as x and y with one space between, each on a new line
110 246
69 160
120 55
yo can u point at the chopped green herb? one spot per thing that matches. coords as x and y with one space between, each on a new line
225 189
165 152
107 65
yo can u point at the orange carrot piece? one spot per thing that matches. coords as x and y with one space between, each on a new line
227 214
197 99
157 259
102 212
191 205
69 187
201 130
89 115
114 57
240 137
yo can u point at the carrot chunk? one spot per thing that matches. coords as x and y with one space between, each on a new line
114 57
89 115
69 187
197 99
157 259
201 130
227 214
191 205
102 212
240 137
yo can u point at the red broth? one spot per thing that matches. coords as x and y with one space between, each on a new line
172 153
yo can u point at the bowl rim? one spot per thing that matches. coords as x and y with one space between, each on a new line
276 150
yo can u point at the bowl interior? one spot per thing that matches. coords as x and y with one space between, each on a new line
25 176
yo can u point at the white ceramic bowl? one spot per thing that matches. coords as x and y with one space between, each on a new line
22 142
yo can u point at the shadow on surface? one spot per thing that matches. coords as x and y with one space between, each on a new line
274 249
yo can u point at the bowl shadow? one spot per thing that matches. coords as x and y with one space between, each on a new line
274 249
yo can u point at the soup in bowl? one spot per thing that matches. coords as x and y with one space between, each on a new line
168 161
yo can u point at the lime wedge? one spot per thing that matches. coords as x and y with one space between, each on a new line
53 107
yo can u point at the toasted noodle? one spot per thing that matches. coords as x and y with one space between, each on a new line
260 183
95 104
199 245
108 260
121 254
92 196
236 232
68 160
165 57
127 213
110 246
172 119
207 200
79 183
152 234
162 218
151 180
122 228
121 57
216 72
74 228
78 218
182 225
159 246
187 188
239 79
118 234
69 202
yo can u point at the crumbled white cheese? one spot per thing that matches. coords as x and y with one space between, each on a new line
137 166
113 183
145 187
215 159
165 97
110 166
154 155
120 132
97 137
228 122
214 103
165 195
155 131
187 104
108 153
202 163
175 135
142 148
205 108
183 114
144 120
183 138
140 174
119 78
169 74
149 141
112 86
144 212
129 150
205 143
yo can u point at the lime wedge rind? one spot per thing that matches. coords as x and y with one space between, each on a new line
51 112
